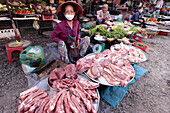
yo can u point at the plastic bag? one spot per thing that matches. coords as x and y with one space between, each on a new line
36 25
32 58
51 52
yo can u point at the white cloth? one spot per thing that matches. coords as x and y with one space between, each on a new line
159 4
128 3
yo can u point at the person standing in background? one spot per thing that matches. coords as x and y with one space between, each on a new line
159 5
128 4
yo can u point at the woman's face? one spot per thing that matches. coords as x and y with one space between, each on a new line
105 9
69 10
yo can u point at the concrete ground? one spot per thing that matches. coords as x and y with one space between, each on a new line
149 94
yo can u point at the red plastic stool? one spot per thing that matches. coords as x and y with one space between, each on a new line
137 38
10 51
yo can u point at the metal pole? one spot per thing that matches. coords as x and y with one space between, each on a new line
13 24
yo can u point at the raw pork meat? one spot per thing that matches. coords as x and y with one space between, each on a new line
95 71
81 95
71 71
76 100
41 108
63 84
103 54
60 72
92 93
53 101
60 104
52 77
57 73
135 55
87 84
66 105
28 105
71 104
84 64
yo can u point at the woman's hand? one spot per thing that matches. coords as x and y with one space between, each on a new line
140 20
78 44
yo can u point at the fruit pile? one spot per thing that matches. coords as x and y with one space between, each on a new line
19 10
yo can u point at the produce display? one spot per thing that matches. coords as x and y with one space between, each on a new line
23 10
108 65
115 32
2 8
76 100
16 3
143 32
102 30
139 45
119 31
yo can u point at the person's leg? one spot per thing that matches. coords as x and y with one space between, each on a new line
97 22
84 44
143 24
103 21
63 51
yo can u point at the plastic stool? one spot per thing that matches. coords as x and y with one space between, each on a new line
137 38
10 51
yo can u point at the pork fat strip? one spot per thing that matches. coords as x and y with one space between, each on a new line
108 76
73 98
29 99
81 104
92 93
66 105
60 105
45 110
71 104
41 108
103 54
87 84
79 88
53 101
27 93
80 94
28 105
35 106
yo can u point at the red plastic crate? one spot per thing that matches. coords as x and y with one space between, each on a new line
47 17
163 33
140 47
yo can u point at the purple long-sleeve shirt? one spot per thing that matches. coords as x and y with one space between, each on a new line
60 32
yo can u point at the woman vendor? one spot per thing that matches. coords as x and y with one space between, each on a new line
137 17
103 15
67 32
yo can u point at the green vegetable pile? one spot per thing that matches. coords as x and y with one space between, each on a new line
116 32
103 31
132 28
119 32
139 45
2 8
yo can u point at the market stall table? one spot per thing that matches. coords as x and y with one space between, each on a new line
121 9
